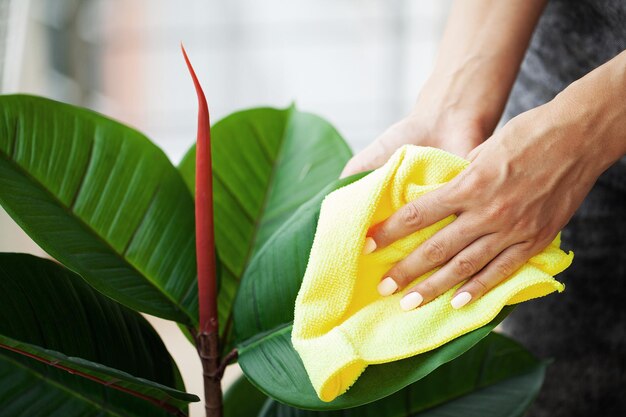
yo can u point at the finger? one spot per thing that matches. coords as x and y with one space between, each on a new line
434 252
464 265
373 156
379 151
498 270
413 216
474 152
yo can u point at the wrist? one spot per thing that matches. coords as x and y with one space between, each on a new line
560 135
593 123
465 91
452 129
594 106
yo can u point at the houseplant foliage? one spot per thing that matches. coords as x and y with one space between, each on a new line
109 206
502 396
50 313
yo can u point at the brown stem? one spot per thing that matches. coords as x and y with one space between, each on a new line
224 363
208 349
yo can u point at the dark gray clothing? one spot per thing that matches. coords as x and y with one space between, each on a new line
584 328
571 39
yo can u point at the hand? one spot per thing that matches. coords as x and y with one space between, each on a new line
521 187
447 129
462 101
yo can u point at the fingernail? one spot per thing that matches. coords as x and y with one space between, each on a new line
461 299
370 246
387 286
411 300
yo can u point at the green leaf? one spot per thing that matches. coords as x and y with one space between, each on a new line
103 200
263 316
477 384
273 366
511 398
446 392
271 282
27 393
50 314
242 399
266 163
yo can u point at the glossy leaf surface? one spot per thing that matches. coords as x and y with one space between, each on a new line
242 399
103 200
50 314
266 163
474 385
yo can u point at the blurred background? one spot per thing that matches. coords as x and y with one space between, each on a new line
358 63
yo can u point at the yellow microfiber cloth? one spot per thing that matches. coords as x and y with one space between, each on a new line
342 324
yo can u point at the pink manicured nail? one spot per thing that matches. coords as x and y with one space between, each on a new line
461 299
370 246
411 300
387 286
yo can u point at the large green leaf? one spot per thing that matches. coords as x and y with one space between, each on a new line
271 282
242 399
446 392
103 200
511 398
477 384
266 163
28 393
50 315
263 316
273 366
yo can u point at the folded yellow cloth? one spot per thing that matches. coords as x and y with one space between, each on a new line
342 324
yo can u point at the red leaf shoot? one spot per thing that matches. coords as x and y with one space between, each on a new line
205 240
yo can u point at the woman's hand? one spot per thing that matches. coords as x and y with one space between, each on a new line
521 187
455 133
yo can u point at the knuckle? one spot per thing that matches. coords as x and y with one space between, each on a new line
529 226
522 225
427 289
499 210
475 179
399 274
545 236
488 249
480 284
434 252
465 228
381 235
460 187
412 214
464 267
505 266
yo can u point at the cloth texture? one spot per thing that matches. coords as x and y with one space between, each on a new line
341 323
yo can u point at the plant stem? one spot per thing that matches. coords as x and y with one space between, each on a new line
208 349
207 341
232 355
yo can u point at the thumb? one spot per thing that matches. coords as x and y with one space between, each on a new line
474 153
372 157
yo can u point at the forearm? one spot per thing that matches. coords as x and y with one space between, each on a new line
480 54
594 109
463 99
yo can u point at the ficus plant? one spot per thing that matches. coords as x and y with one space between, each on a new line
218 245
